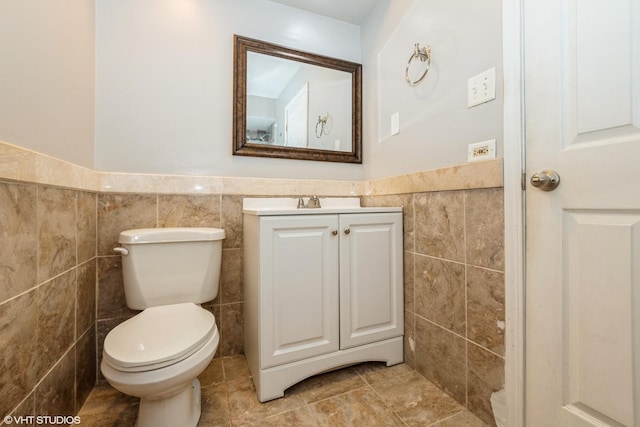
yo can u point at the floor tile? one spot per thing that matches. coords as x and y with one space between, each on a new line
463 419
299 417
373 372
356 408
215 410
326 385
367 395
107 407
244 407
416 400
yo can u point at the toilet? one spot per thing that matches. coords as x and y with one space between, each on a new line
158 354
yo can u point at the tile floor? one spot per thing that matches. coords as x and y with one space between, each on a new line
369 394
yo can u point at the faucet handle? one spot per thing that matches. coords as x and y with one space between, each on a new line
300 203
314 202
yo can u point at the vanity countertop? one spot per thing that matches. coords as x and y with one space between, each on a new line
265 206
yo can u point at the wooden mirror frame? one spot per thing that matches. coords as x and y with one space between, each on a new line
241 147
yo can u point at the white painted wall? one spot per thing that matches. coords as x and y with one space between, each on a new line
164 83
163 75
47 77
435 124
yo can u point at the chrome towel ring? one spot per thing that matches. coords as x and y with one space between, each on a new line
424 55
322 127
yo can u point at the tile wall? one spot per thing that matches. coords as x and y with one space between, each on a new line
47 299
61 284
454 290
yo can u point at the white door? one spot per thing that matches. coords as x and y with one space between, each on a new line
371 281
298 288
582 89
296 115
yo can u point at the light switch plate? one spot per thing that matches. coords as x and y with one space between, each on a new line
481 88
395 123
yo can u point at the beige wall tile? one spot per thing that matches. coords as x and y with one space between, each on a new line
20 355
189 211
56 319
484 218
111 300
120 212
485 308
232 276
85 366
409 281
231 221
441 358
57 227
27 408
458 177
86 297
232 329
87 226
486 375
440 292
440 225
55 395
409 339
18 251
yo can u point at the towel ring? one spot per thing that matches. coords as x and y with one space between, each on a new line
424 55
322 128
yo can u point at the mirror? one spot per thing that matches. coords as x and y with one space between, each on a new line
295 105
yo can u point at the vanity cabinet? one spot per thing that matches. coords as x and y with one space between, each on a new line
322 290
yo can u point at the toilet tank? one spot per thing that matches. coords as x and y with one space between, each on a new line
162 266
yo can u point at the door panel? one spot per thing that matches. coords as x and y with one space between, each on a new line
371 282
599 248
300 288
582 91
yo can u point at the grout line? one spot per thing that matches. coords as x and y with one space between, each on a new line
435 424
458 335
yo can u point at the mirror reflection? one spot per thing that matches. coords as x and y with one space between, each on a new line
294 104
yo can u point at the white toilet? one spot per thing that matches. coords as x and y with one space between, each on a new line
158 354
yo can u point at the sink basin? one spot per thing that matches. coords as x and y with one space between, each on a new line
288 206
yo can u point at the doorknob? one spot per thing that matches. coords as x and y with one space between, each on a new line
547 180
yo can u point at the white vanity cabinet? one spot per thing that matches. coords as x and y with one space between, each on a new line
323 289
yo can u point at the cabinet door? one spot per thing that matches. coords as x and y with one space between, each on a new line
299 288
371 278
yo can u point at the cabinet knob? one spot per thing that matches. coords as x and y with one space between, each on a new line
334 232
347 231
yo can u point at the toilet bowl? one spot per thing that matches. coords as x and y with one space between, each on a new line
157 356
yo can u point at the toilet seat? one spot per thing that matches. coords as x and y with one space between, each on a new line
158 337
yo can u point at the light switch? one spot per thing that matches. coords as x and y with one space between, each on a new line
395 123
481 88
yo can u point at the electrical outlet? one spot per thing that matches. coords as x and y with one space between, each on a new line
484 150
481 88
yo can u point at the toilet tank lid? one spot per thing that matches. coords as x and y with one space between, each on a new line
167 235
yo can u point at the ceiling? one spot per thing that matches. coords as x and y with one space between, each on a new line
353 11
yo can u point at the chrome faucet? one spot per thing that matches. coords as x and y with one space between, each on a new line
313 203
